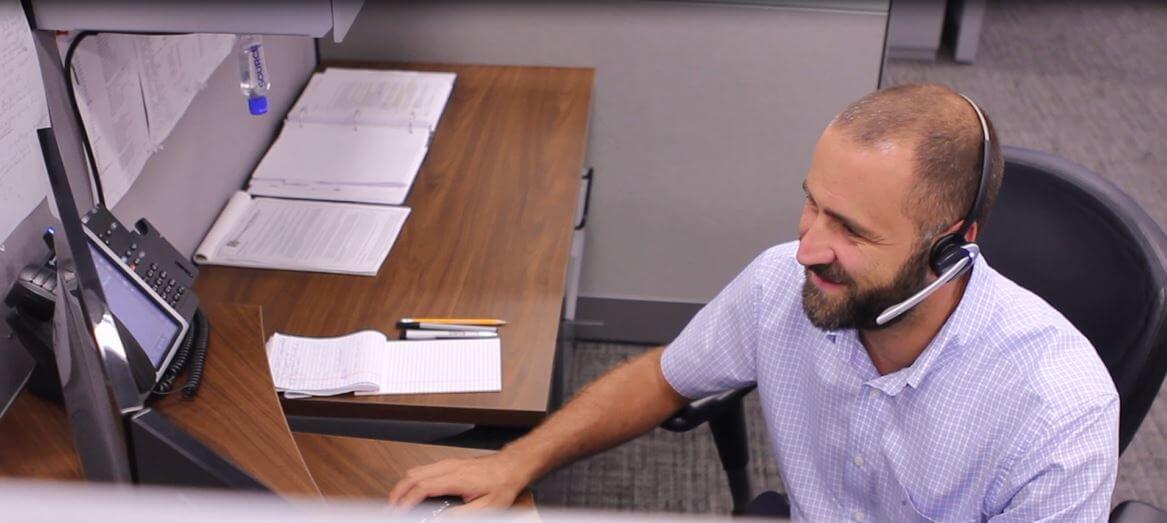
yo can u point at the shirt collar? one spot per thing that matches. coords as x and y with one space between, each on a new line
968 319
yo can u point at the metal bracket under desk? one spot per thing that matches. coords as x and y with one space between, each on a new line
381 429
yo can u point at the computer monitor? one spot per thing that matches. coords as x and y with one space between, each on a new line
118 438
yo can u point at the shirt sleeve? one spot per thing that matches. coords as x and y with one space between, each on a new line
1069 472
716 351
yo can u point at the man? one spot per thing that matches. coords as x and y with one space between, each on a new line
981 402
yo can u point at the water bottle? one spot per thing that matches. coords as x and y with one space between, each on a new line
253 74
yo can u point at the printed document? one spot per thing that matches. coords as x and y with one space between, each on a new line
298 235
109 94
173 70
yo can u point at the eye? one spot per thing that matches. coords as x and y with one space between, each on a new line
851 232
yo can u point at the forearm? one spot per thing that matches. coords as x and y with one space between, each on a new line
619 406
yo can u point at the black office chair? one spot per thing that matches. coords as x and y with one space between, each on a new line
1072 238
1137 512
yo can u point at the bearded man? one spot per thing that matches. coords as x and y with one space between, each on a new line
980 402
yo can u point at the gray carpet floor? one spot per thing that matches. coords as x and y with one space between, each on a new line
1085 80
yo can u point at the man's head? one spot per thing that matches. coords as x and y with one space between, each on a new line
893 172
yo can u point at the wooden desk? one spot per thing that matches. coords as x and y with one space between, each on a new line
365 468
236 414
489 235
35 441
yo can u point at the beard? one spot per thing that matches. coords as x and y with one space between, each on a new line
857 307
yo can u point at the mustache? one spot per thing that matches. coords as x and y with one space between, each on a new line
831 272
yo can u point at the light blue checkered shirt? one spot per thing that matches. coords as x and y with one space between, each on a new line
1007 415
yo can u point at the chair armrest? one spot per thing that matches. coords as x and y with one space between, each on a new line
1137 512
698 412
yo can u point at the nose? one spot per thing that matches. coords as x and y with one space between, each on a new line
814 247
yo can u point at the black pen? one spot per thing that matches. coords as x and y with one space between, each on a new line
444 326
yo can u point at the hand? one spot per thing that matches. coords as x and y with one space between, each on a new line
489 482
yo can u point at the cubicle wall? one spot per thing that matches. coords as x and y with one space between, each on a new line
183 186
704 118
213 150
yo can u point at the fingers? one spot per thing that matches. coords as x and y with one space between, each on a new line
428 488
478 505
418 474
483 485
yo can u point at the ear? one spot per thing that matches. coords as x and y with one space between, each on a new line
971 235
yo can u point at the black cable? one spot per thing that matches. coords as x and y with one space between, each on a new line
77 114
199 358
165 384
72 91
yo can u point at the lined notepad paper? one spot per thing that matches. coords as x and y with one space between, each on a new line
367 364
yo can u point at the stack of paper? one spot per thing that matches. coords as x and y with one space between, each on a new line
270 233
355 136
366 363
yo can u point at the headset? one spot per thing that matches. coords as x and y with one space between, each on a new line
952 255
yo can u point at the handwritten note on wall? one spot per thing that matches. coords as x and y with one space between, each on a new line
23 181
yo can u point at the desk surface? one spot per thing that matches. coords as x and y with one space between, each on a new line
236 414
365 468
489 236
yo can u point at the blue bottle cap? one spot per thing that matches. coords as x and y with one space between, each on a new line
257 105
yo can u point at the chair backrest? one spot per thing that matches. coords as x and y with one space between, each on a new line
1091 252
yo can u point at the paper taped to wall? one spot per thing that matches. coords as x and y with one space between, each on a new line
23 181
109 95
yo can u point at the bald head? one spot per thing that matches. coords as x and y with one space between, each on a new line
943 133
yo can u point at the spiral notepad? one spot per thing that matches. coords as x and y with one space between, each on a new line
366 363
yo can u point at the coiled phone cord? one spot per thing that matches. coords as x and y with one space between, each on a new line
199 358
194 350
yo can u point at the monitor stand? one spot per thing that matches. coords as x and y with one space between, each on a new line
164 454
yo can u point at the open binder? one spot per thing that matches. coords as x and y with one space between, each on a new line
355 136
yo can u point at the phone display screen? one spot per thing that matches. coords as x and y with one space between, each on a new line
153 327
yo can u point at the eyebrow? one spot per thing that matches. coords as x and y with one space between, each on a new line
849 223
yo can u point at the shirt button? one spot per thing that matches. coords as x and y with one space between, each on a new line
873 394
858 461
857 516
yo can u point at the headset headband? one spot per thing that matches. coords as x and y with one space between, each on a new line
983 187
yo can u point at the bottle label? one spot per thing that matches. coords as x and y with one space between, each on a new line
257 66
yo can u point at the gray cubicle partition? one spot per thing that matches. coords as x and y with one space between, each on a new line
215 146
184 185
704 117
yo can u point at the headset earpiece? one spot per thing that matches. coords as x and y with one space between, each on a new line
948 250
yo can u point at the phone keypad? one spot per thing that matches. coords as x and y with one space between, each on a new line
139 254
